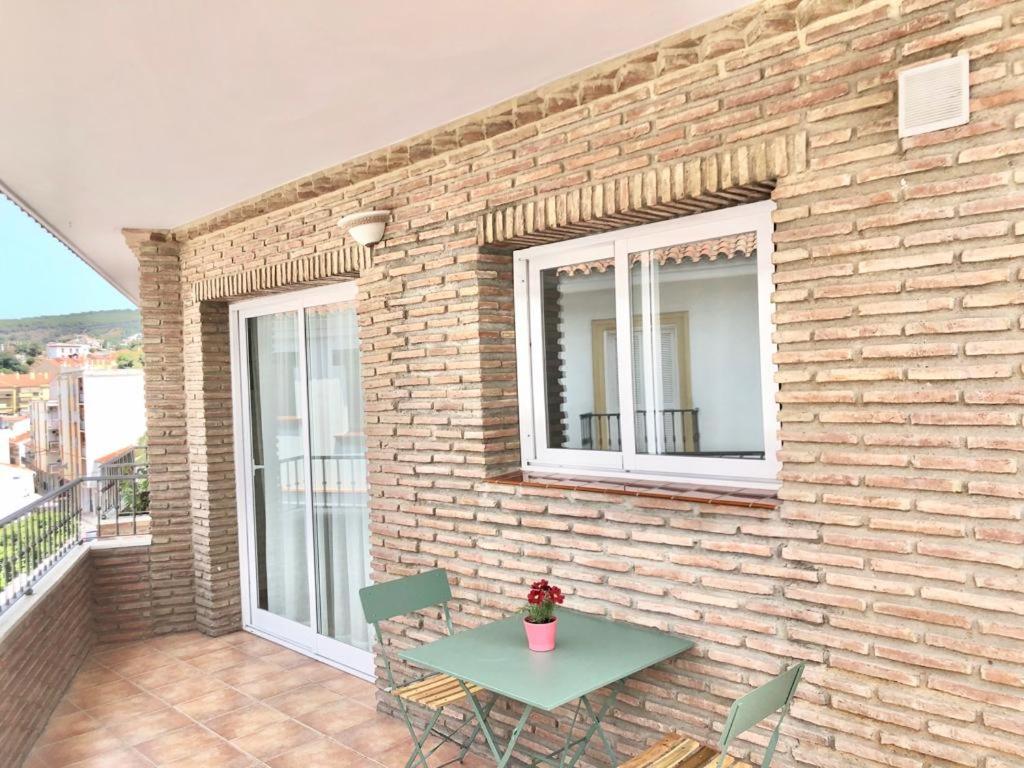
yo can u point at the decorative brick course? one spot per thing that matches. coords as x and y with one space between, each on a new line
893 562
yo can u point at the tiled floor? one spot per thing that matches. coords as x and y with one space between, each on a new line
190 701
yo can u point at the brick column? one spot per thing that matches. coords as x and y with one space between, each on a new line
171 552
212 476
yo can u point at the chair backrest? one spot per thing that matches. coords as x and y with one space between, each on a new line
747 711
401 596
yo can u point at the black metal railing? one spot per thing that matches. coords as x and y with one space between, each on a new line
680 429
34 538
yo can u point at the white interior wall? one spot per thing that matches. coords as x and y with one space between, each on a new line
724 352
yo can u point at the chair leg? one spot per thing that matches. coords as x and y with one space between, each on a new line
419 741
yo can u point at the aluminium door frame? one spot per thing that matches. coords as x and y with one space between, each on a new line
308 642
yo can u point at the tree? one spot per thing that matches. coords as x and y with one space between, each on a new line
11 364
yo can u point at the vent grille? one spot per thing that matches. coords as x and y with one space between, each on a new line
934 96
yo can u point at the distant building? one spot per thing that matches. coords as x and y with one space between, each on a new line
17 390
98 412
75 348
17 488
44 436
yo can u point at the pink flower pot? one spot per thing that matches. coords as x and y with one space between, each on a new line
541 637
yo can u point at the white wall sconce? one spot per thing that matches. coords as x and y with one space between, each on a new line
366 227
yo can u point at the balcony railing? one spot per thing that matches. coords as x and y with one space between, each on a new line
34 538
679 428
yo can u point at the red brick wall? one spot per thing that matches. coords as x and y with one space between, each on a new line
122 592
39 658
893 564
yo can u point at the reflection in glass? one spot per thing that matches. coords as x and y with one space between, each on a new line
580 377
341 524
278 455
696 349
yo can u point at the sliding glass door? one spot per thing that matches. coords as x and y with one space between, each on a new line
301 452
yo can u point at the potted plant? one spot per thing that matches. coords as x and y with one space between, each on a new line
540 622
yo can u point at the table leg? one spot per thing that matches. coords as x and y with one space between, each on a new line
608 703
501 758
595 727
516 733
568 735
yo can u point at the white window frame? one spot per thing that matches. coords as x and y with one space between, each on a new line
528 263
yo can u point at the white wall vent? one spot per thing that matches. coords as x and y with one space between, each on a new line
935 96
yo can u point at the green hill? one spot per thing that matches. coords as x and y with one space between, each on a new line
107 325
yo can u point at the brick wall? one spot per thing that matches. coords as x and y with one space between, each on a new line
40 656
893 563
122 590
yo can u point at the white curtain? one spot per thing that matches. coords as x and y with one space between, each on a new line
279 493
338 455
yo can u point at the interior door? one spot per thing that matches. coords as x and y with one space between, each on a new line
301 455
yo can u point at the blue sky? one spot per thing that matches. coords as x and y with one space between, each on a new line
39 276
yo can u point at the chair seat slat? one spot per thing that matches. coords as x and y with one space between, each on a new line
676 751
435 691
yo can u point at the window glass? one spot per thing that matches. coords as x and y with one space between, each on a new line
580 377
696 349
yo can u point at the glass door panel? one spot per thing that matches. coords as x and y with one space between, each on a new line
303 472
341 521
278 467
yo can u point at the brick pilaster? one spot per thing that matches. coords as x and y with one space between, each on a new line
171 553
211 457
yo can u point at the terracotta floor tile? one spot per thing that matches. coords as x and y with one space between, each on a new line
107 693
118 758
65 707
148 679
192 688
218 702
244 721
258 705
96 675
219 659
136 730
247 672
322 753
375 736
347 685
223 755
63 726
285 658
300 700
77 748
252 645
332 719
275 739
273 685
131 706
178 745
196 646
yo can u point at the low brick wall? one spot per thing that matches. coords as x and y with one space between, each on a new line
41 652
122 590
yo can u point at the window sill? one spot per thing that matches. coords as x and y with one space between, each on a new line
687 492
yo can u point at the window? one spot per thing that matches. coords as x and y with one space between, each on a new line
647 351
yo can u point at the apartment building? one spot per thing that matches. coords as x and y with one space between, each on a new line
17 390
97 412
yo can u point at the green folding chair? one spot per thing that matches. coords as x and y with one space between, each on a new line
433 691
677 751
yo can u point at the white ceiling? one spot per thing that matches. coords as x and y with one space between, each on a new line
153 113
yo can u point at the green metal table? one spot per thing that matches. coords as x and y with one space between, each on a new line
591 654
